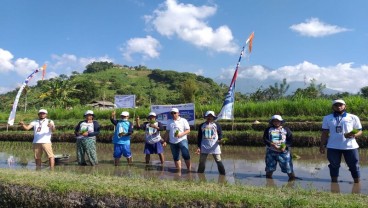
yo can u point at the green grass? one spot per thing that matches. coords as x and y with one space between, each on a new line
291 110
169 192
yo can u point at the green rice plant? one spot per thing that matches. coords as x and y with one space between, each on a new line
60 189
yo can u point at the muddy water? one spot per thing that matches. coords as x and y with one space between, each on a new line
244 165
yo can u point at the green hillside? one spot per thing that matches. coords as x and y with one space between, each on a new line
103 80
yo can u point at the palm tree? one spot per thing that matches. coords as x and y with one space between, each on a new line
58 92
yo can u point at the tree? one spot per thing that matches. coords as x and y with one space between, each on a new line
278 91
189 89
86 91
57 92
98 66
259 95
364 91
312 91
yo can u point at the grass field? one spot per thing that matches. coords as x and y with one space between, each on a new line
163 193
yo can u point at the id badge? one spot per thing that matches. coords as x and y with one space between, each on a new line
338 129
39 129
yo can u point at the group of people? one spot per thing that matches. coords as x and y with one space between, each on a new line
339 130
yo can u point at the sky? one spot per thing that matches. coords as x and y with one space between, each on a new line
321 40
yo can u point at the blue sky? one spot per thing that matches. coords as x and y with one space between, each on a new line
325 40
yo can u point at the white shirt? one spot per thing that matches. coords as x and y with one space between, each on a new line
336 140
179 125
42 133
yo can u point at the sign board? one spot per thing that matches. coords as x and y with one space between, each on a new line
186 111
125 101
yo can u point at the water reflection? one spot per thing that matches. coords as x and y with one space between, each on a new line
355 188
243 165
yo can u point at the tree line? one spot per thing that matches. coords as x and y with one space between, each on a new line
103 80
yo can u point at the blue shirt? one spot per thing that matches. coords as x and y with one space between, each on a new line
123 130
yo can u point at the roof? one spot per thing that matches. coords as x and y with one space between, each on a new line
107 103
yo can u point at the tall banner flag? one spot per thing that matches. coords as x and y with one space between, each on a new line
125 101
227 110
15 104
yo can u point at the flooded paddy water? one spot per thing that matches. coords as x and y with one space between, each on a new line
244 165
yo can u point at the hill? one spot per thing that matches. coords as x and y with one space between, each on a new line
102 81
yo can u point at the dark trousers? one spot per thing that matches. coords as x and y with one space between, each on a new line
202 163
351 158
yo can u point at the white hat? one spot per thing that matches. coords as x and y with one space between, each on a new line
42 111
89 112
152 114
276 117
210 113
174 110
338 101
124 113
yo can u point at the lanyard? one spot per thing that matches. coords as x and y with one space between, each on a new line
338 120
40 123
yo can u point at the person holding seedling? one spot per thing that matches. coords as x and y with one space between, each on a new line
121 138
278 140
209 138
86 132
154 143
42 128
178 128
339 130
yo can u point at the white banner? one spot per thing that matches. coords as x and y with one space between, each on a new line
186 111
125 101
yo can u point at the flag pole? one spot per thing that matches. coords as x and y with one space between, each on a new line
227 110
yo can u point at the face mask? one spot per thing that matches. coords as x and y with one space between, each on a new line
124 119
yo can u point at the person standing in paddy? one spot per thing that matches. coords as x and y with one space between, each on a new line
209 138
154 143
121 138
43 128
339 131
178 128
86 132
278 140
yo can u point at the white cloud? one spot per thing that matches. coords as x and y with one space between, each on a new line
50 75
188 23
6 61
147 46
342 77
313 27
66 63
199 72
25 66
5 89
22 66
59 64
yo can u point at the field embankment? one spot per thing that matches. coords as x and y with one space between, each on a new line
306 134
58 189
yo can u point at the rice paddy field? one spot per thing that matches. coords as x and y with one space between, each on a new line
63 187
